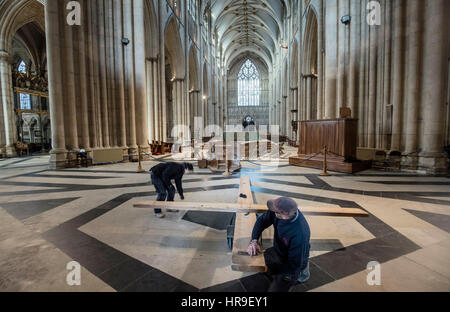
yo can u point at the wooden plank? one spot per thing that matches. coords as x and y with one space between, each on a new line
248 269
243 232
249 208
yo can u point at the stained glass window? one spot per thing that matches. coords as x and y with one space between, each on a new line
25 101
248 85
22 68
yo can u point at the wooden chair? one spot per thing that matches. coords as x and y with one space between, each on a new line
21 148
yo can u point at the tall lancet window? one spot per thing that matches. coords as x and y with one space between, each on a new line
248 85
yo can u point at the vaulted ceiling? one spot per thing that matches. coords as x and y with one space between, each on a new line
245 26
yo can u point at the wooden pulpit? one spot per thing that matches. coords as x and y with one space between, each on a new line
339 136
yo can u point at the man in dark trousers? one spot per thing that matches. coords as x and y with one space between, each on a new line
161 176
288 259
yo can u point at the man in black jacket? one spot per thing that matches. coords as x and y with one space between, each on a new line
288 259
161 176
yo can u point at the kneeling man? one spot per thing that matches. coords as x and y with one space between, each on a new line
288 259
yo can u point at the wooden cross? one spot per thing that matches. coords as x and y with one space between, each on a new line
246 210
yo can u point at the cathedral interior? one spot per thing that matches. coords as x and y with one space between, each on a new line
341 105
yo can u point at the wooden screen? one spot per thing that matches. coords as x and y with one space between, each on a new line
339 135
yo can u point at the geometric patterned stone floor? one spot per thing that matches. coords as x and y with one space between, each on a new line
49 218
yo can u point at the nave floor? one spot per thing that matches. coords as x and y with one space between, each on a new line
49 218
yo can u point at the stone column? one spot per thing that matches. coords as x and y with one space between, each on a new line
371 142
53 35
354 35
151 105
387 67
331 57
129 75
284 115
103 77
398 76
434 87
362 77
180 102
320 60
95 124
70 116
111 77
140 76
82 79
157 111
341 49
7 104
120 83
308 98
414 47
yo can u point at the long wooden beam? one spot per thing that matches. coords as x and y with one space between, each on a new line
243 227
249 208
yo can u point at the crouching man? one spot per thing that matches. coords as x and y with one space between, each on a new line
288 259
161 176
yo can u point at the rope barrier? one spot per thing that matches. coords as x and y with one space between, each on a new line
284 166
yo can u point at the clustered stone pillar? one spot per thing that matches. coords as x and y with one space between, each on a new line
8 137
53 35
436 50
154 105
398 91
414 48
97 84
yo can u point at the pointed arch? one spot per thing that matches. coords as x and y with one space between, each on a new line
309 65
173 44
194 81
151 31
310 43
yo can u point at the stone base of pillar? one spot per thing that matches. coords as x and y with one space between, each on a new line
435 165
126 158
58 159
145 153
71 161
132 153
410 162
10 151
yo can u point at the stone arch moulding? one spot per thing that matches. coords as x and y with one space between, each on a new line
174 44
194 77
151 31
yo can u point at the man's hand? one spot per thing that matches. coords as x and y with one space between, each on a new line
254 248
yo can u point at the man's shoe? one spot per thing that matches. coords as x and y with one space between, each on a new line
172 210
159 215
304 275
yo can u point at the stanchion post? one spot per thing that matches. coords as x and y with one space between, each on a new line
227 168
325 173
140 169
